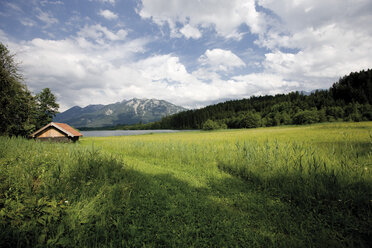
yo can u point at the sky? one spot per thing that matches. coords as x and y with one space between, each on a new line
189 52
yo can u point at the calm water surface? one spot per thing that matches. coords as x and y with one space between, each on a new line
106 133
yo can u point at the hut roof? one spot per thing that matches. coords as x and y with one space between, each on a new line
63 127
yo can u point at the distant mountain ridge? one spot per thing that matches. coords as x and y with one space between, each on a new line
126 112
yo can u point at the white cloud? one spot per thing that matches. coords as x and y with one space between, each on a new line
163 67
312 42
100 33
75 65
264 83
330 39
190 32
225 16
165 77
108 14
296 15
220 60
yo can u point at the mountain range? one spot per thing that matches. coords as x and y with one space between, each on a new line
125 112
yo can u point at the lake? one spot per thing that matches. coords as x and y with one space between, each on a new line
106 133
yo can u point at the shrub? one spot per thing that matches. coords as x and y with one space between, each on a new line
306 117
210 125
251 120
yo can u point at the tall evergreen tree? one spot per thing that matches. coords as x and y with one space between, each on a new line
47 107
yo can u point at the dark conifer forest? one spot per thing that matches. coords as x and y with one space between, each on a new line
349 99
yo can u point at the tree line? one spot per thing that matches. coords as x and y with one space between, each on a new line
349 99
21 113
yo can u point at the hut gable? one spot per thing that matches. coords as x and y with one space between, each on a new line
57 132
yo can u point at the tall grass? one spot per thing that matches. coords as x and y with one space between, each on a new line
335 187
308 186
58 195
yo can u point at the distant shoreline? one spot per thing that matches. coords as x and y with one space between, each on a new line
108 133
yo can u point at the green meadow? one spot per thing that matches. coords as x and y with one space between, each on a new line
291 186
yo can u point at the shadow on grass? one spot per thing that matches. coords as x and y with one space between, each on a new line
329 210
121 207
167 212
356 147
112 206
163 211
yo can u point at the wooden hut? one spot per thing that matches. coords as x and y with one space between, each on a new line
54 131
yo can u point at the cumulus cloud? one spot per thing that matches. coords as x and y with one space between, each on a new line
264 83
312 42
220 60
165 77
297 15
190 32
77 64
330 39
225 16
108 14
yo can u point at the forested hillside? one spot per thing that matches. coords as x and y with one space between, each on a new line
349 99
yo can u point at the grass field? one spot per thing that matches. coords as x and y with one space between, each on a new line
296 186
